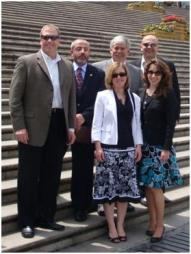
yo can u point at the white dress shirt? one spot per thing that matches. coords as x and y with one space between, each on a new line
52 65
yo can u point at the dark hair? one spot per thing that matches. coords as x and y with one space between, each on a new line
165 83
110 70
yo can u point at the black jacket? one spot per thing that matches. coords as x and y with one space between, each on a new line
175 83
85 99
158 118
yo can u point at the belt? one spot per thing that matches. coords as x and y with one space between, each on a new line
55 110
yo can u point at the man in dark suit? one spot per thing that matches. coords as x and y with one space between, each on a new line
43 107
119 50
149 48
89 80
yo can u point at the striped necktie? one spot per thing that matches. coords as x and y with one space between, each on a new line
79 78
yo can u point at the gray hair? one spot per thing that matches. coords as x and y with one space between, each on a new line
120 39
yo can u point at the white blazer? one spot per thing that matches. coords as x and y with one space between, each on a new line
104 126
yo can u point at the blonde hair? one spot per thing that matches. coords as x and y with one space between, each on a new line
109 72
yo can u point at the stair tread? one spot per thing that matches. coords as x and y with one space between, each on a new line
14 161
179 139
11 209
66 174
7 184
16 241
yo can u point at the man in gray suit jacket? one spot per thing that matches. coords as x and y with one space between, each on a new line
43 107
119 50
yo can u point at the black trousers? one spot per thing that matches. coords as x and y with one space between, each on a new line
82 175
39 174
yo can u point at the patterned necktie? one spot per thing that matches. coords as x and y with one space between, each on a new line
79 78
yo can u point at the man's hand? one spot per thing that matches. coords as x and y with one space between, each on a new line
22 136
71 137
79 121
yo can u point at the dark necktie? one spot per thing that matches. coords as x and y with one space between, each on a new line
79 78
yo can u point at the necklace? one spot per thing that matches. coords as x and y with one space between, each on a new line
146 101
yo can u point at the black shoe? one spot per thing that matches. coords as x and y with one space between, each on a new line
80 215
27 232
101 212
157 239
51 225
149 232
130 208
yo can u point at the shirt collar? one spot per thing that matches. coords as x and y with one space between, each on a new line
49 59
116 62
143 60
76 66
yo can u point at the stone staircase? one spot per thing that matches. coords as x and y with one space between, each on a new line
100 21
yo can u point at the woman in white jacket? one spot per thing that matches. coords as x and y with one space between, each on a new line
116 132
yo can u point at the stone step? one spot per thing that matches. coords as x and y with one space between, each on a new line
181 143
13 162
51 241
183 73
6 120
180 66
95 55
7 131
91 24
10 166
9 187
9 147
181 130
184 85
18 42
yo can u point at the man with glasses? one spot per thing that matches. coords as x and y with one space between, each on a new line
149 48
43 107
119 51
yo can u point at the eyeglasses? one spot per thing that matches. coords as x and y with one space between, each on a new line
152 45
52 37
121 74
157 73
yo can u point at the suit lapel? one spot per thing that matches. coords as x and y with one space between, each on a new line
62 72
42 64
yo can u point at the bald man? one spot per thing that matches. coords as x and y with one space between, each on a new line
149 47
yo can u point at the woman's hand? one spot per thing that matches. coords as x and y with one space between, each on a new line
99 154
164 155
138 153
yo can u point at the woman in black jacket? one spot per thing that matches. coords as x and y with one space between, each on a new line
158 168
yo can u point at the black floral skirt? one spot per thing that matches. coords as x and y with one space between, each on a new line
115 178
